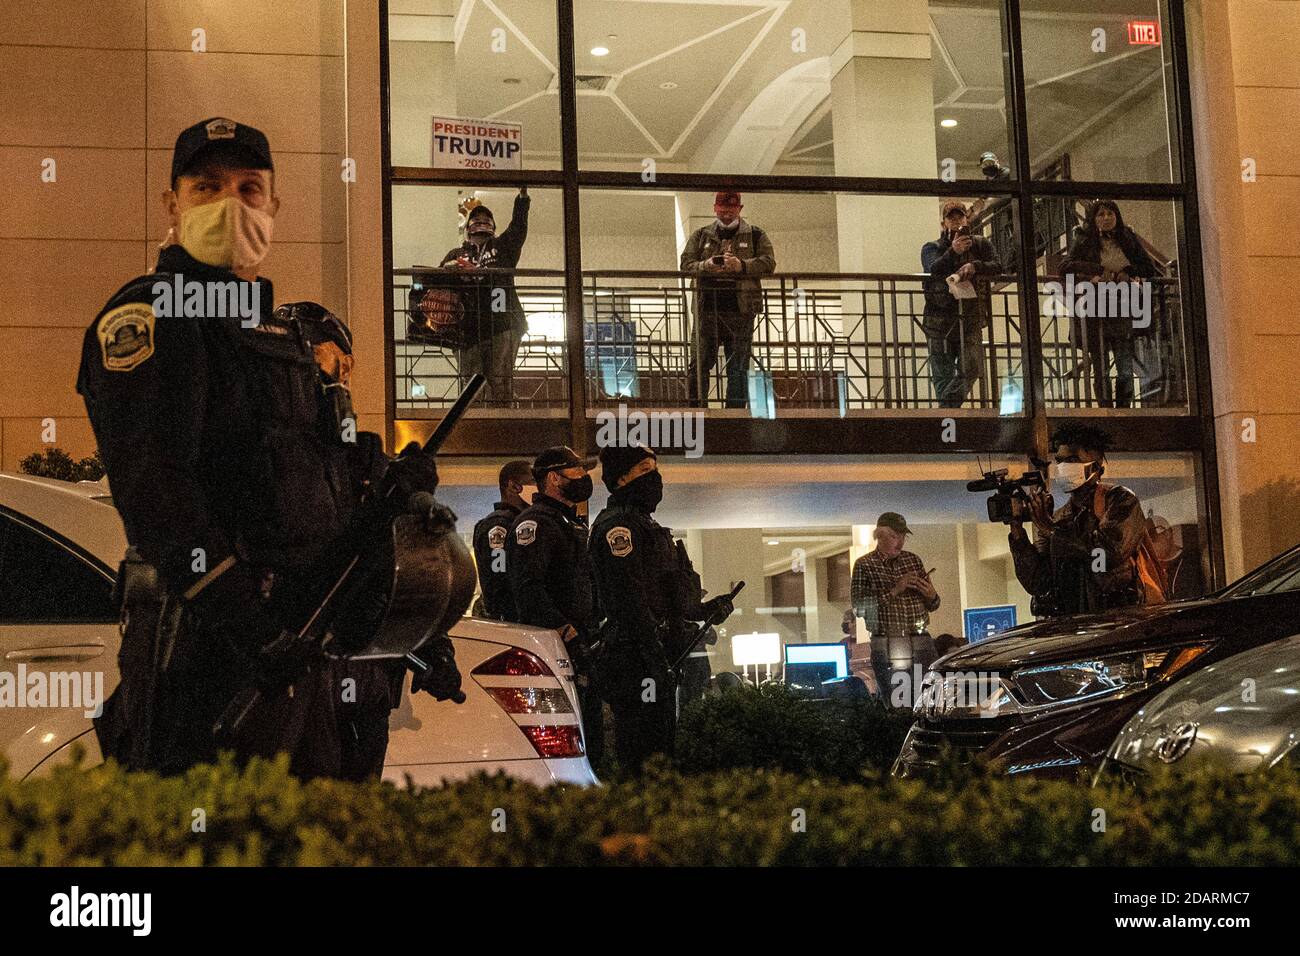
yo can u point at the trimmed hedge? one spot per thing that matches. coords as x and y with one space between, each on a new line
261 815
57 463
774 729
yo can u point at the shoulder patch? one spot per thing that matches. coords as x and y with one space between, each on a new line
526 532
126 336
496 538
620 541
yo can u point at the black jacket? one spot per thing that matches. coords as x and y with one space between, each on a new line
940 261
490 536
646 583
550 574
1084 261
1057 570
502 251
216 436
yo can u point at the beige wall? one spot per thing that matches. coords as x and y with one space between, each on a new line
1246 98
102 89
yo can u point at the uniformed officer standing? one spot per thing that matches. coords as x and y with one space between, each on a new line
230 470
550 573
649 591
490 541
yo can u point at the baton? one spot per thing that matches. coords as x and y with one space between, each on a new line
704 627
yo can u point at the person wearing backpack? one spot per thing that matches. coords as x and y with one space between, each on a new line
1094 552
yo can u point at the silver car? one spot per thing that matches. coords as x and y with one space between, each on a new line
1244 711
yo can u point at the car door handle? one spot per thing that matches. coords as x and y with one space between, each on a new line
76 652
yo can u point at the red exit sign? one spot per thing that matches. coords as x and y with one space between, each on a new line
1143 33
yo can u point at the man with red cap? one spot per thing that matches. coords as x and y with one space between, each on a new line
728 255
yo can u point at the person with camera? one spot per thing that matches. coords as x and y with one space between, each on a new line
1104 249
1089 554
728 255
493 323
891 591
957 312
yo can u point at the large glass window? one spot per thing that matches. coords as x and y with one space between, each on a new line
822 87
1099 89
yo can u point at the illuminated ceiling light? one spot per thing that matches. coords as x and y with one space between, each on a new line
600 51
948 123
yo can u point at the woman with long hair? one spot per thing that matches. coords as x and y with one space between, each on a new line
1104 249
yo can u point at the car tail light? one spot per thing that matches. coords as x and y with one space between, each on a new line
531 700
519 698
563 740
514 663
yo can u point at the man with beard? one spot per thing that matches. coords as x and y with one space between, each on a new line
550 573
649 591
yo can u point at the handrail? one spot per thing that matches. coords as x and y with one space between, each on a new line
671 274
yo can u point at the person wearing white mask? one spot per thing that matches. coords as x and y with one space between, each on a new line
231 474
1090 554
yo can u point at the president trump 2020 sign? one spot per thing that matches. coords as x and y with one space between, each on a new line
475 144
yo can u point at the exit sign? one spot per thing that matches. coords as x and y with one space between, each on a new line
1143 33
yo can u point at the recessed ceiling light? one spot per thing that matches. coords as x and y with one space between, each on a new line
512 81
948 123
669 85
600 51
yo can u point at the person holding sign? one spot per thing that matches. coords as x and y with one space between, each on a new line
493 323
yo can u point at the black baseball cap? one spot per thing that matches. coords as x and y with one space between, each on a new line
319 325
226 133
894 521
558 458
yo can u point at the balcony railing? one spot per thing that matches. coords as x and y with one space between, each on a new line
830 343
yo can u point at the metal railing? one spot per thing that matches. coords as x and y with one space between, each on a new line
832 342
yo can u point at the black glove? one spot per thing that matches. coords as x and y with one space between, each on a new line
412 471
441 676
718 609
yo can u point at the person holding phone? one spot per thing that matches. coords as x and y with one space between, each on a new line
728 255
892 592
954 327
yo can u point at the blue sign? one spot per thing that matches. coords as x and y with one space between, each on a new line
983 622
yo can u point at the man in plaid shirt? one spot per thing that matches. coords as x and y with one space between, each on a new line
892 593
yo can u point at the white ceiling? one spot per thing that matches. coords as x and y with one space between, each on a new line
679 68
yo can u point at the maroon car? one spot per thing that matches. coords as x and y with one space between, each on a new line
1048 698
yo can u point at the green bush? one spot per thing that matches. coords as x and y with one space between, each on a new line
57 463
774 729
261 815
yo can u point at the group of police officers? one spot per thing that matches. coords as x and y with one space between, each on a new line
624 597
233 456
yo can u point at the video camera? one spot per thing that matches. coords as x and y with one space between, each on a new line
1009 502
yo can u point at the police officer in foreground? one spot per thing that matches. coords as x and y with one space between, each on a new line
490 540
231 471
550 573
649 591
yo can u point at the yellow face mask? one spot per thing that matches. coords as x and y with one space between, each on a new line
227 234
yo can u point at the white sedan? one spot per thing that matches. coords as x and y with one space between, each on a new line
59 548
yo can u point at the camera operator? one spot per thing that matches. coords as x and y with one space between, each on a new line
1088 555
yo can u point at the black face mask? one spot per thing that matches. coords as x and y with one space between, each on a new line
644 492
576 489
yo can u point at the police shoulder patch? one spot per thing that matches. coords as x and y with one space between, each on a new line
126 336
496 538
526 532
620 541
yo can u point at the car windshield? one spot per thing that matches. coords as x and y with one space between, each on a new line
1280 574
